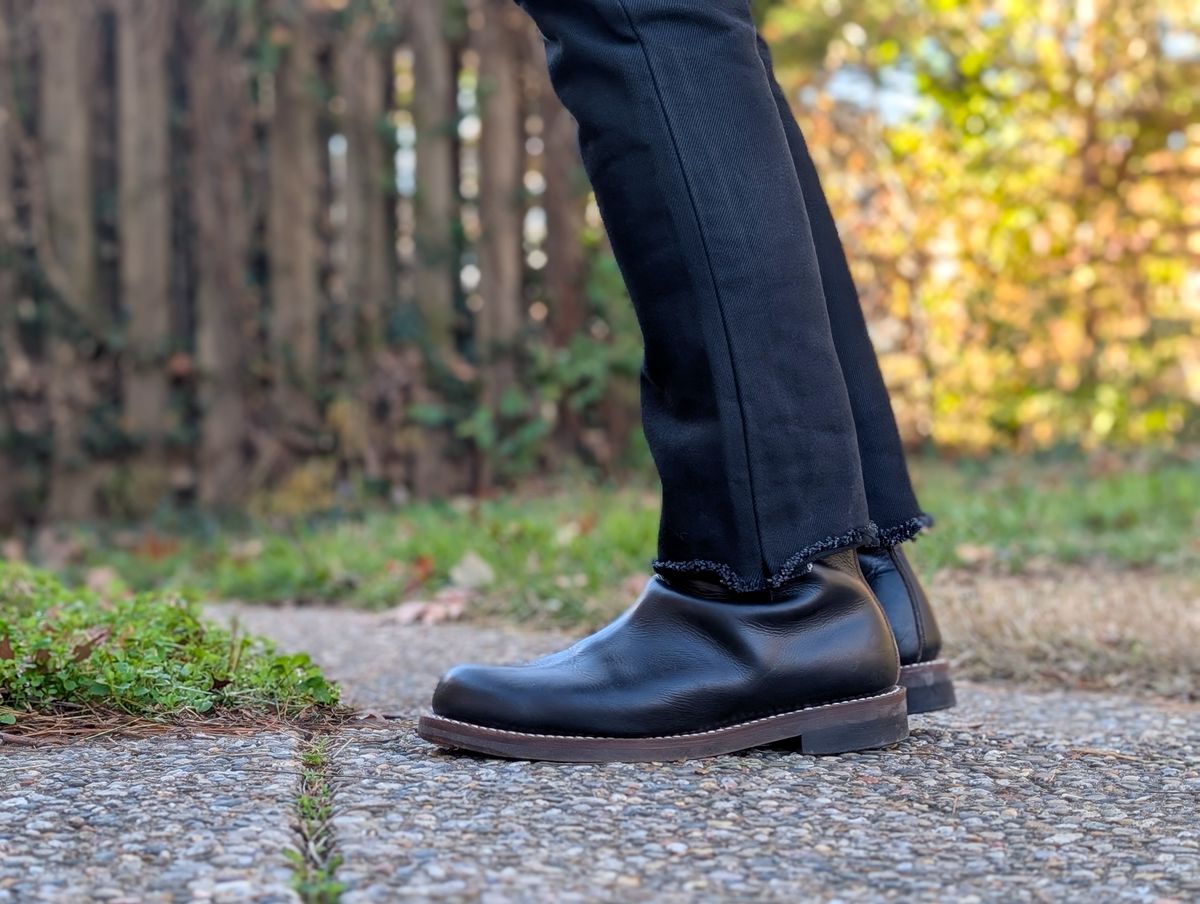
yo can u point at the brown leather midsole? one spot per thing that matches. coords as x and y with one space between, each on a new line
929 685
921 674
839 727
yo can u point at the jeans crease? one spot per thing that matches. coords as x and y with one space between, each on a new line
737 388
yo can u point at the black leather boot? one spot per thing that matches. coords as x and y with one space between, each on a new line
925 676
682 675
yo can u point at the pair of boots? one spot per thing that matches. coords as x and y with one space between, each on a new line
831 662
764 409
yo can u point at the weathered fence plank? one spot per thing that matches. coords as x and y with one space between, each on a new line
365 86
294 173
8 282
221 133
144 29
62 192
501 209
435 277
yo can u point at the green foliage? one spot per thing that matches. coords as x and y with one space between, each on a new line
586 378
573 555
557 553
1022 233
1015 183
147 655
1015 513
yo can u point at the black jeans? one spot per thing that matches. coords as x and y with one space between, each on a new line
762 399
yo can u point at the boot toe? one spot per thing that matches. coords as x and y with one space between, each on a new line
477 694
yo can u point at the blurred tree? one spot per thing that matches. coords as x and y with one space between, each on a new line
1044 170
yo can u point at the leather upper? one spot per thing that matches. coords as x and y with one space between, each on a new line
903 599
676 663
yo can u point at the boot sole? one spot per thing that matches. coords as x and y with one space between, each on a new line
860 724
929 686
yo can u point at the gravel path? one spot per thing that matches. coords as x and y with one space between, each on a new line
158 819
1014 796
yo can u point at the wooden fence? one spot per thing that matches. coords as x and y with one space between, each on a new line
285 253
254 245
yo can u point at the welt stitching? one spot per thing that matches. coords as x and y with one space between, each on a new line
928 666
692 734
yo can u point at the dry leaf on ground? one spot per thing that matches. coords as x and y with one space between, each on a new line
447 605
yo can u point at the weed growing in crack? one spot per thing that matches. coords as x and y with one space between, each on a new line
316 861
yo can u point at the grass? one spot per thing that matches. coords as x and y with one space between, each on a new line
562 557
552 555
1129 631
1017 514
68 652
1067 571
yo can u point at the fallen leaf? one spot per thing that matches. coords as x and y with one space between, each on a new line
407 613
472 572
6 650
448 605
100 579
972 554
423 568
375 715
567 534
93 639
247 551
155 547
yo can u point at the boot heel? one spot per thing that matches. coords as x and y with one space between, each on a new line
883 724
929 686
863 736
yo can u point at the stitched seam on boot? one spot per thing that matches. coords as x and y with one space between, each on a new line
691 734
928 666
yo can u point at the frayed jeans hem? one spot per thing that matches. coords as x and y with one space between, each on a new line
895 534
797 564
